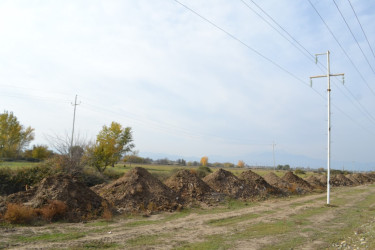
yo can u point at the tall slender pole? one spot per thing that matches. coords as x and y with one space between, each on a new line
273 154
329 129
329 120
74 119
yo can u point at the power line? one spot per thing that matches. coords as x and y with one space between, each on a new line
248 46
355 39
249 7
273 62
346 54
364 33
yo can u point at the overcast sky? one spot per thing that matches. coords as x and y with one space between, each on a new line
189 88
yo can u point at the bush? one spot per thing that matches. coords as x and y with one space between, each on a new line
202 171
54 211
19 214
299 171
12 181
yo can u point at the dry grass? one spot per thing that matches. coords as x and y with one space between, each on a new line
19 214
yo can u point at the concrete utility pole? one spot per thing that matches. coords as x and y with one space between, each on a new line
329 116
273 154
74 119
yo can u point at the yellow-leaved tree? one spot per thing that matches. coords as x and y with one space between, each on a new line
241 164
204 161
111 144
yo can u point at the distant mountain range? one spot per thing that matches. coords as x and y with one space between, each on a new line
266 159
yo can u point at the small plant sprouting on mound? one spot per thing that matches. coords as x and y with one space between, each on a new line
19 214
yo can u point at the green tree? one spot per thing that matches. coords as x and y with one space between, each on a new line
13 136
40 152
111 144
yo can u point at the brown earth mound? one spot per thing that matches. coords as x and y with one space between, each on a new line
139 191
315 182
353 179
82 203
322 179
299 185
359 179
340 180
188 186
257 183
371 175
276 181
223 181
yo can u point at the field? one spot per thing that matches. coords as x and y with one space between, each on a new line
296 222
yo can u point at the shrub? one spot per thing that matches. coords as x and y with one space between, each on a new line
19 214
54 211
202 171
299 171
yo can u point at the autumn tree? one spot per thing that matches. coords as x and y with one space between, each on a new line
111 144
204 161
40 152
241 164
14 137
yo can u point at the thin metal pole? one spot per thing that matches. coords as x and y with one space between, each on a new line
74 119
329 129
273 153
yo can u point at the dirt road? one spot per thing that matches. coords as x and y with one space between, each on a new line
297 222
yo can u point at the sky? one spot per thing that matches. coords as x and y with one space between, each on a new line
195 78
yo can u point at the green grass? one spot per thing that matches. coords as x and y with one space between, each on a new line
209 242
50 237
147 240
232 220
100 245
17 165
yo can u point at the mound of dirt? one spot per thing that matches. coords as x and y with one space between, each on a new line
82 203
370 175
315 182
257 183
276 181
358 178
353 179
139 191
189 187
340 180
322 179
19 198
223 181
298 184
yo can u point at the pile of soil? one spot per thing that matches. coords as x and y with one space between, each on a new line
223 181
370 175
19 198
276 181
322 179
359 179
139 191
189 187
298 185
257 183
82 203
340 180
315 182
